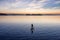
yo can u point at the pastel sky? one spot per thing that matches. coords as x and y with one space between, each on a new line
30 6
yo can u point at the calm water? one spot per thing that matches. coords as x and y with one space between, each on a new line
19 28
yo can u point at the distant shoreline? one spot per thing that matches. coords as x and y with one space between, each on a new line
32 15
2 14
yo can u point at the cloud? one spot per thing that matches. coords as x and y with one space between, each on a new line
23 3
57 2
52 4
29 5
41 0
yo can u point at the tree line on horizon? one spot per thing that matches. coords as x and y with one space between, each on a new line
27 14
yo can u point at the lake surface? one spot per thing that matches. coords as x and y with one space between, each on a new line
19 28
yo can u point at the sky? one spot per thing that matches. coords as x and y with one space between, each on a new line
30 6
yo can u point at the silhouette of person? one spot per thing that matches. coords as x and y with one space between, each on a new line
32 28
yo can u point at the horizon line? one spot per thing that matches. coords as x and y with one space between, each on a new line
3 14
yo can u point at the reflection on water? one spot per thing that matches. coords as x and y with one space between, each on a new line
30 19
29 27
32 28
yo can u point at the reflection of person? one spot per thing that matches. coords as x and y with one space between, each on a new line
32 28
